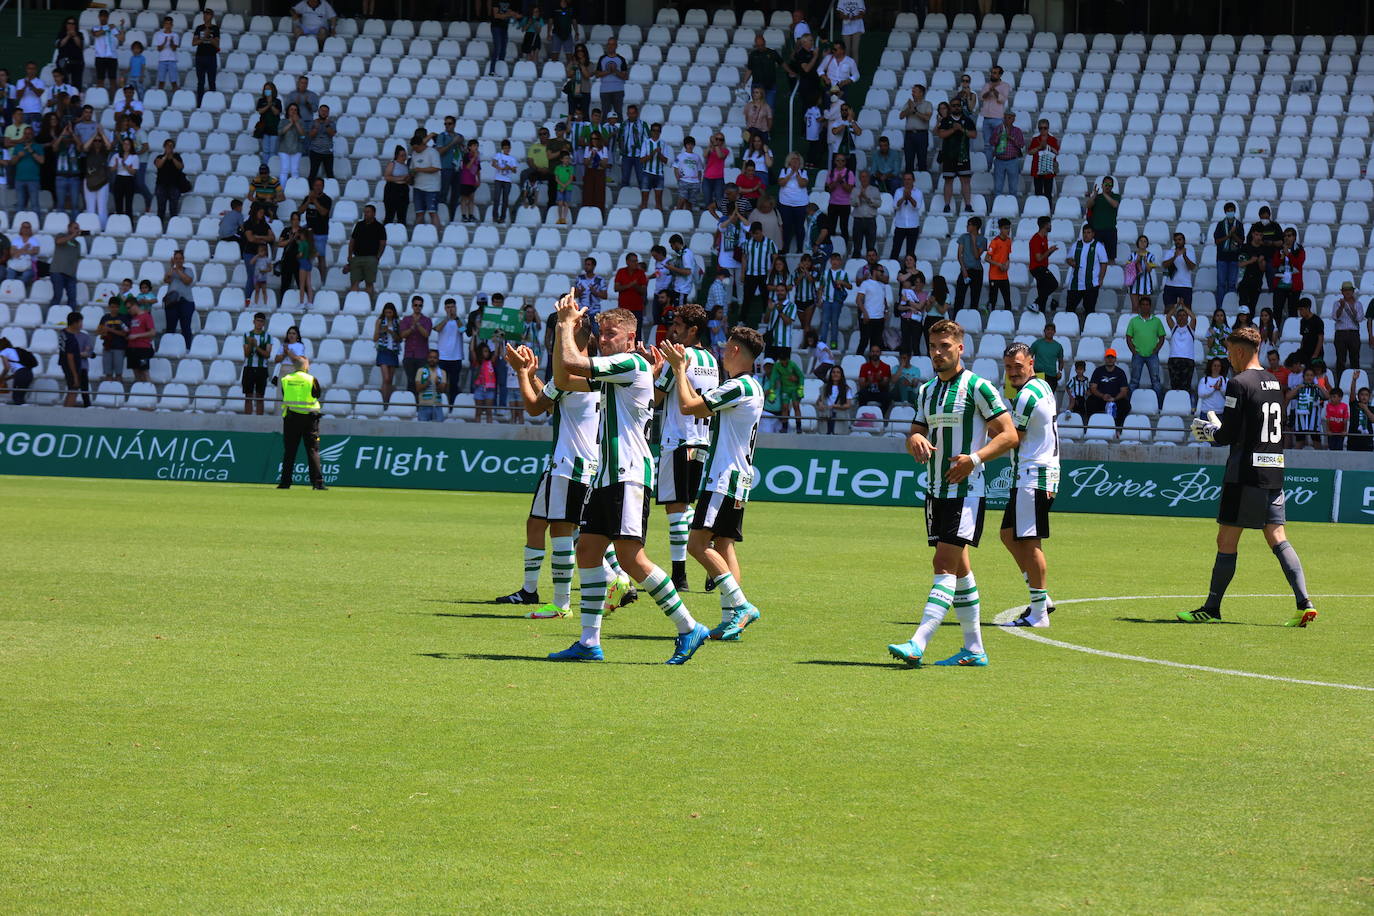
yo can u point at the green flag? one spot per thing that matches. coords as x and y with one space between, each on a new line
507 321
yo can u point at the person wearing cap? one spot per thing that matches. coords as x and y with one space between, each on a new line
1108 391
1347 336
300 412
265 191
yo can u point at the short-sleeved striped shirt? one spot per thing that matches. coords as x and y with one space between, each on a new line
1035 462
252 340
1077 387
955 413
737 405
627 405
576 423
804 285
831 288
652 148
781 317
632 136
678 428
758 256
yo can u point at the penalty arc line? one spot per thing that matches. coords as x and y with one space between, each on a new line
1029 633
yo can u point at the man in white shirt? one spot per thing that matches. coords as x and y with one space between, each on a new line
909 208
106 39
800 26
313 17
1178 267
839 72
872 304
682 265
452 345
31 92
424 164
1087 261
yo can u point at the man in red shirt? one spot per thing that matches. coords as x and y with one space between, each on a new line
142 330
1040 250
631 286
875 381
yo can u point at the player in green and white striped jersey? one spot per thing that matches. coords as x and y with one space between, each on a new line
682 446
562 488
735 407
617 509
1035 469
960 425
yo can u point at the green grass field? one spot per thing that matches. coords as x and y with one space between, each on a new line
228 699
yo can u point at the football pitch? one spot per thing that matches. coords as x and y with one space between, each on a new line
224 698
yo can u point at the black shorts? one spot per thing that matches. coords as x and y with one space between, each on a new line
1028 513
254 381
1244 506
679 474
958 521
721 515
106 68
619 511
558 499
138 359
779 354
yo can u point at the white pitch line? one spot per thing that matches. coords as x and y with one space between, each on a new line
1031 634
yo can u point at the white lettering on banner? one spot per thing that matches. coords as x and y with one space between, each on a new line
1368 498
870 483
167 452
43 445
400 463
1096 480
771 480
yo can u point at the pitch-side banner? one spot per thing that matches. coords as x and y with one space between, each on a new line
498 465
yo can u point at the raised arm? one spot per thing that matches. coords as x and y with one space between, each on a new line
523 361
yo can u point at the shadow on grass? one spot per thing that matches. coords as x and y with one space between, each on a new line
917 623
841 663
481 616
1230 623
496 657
467 601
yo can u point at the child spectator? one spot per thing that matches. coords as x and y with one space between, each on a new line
166 42
261 266
750 184
114 336
138 68
720 293
1362 424
305 257
998 257
484 384
146 297
688 167
1077 390
822 357
806 288
717 327
1337 420
505 167
911 311
563 182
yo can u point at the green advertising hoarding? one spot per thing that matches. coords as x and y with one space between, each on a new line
499 465
1356 502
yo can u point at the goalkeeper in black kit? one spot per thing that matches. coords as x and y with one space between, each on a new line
1252 490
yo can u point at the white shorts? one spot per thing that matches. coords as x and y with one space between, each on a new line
1028 513
679 473
619 511
558 499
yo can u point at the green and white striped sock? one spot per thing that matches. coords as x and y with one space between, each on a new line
593 583
612 564
534 560
677 536
731 596
562 565
1039 603
660 588
937 605
966 608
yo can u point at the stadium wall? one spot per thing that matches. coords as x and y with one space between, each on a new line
856 470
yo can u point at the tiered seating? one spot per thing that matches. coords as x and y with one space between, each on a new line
1183 123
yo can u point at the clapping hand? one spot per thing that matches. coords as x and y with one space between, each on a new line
520 358
656 356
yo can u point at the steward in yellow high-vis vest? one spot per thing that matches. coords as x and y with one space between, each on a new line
300 412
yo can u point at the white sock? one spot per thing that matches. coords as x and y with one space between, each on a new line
534 559
967 610
731 596
562 564
591 630
593 585
660 588
937 605
677 536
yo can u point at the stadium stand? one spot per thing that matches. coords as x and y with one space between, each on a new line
1183 124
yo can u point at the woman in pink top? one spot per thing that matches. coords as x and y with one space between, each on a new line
484 384
713 178
758 115
469 176
840 184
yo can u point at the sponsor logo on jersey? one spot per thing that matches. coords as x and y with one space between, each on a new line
1267 459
